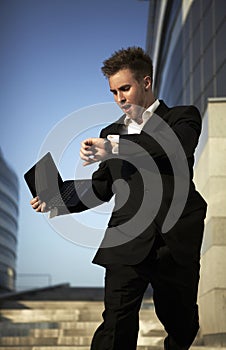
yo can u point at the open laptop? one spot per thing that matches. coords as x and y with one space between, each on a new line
45 181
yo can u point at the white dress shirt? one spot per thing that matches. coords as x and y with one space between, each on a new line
132 126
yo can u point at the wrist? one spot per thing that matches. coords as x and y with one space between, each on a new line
107 146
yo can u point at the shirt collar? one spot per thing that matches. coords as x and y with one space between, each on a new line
146 114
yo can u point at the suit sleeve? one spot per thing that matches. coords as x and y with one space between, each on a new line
184 127
102 180
100 192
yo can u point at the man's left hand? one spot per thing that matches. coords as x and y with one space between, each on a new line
93 150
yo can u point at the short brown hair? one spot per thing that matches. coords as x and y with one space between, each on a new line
133 58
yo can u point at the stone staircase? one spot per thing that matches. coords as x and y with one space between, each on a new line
66 325
42 325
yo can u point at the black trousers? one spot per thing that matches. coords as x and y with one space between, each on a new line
174 295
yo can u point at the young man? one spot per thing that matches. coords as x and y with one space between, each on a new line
143 156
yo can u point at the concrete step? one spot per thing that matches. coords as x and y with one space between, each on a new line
46 329
51 315
78 326
88 348
57 305
59 339
73 331
51 348
23 329
54 315
48 348
69 325
53 341
51 304
152 342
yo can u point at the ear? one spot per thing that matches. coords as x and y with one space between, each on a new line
147 82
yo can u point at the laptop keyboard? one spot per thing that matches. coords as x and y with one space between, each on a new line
65 196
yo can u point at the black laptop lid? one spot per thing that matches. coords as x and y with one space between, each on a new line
43 179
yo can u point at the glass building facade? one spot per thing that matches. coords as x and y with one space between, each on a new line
186 40
9 196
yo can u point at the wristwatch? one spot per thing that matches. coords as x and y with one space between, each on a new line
107 146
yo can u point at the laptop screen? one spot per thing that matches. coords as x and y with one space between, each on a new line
43 178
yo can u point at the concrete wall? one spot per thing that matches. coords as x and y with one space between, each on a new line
210 180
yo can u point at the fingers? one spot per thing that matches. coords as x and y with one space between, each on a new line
92 150
85 155
95 157
87 152
35 202
88 142
38 205
91 161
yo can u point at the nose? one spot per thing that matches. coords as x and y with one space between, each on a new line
120 97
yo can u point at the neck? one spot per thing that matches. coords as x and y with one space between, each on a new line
139 119
151 100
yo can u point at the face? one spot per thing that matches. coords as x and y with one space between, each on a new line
132 96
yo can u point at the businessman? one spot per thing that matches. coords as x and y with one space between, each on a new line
143 156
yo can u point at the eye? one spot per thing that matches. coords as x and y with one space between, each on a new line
125 88
114 92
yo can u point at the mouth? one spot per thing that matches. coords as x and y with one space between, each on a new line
126 108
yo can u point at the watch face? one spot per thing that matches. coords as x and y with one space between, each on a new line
107 146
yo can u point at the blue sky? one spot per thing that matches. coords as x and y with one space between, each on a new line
51 54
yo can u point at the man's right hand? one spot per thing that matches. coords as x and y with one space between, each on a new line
38 205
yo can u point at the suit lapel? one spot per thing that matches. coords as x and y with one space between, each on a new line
162 109
156 118
118 128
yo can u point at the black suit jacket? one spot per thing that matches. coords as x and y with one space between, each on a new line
151 167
